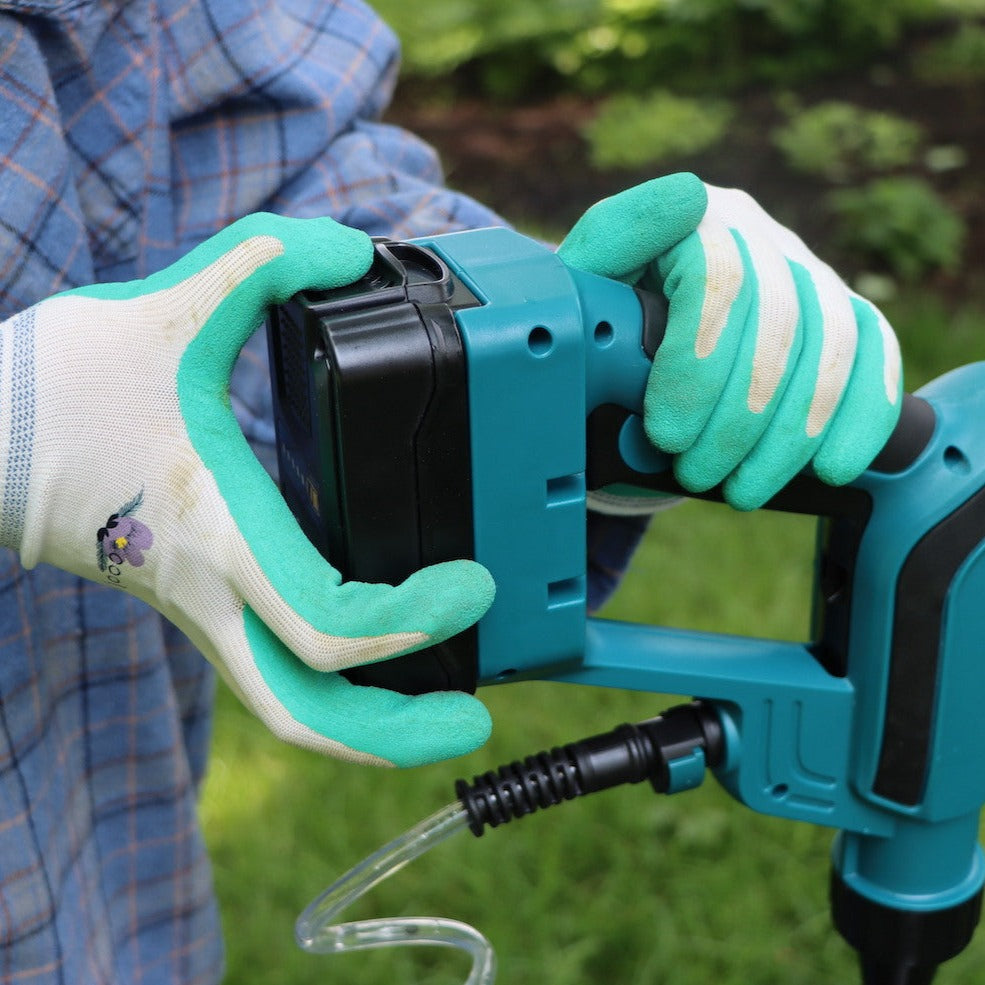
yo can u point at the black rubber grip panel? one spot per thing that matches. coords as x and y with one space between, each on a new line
921 594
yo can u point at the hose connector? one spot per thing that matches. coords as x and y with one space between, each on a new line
672 751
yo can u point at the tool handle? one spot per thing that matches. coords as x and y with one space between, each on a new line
619 453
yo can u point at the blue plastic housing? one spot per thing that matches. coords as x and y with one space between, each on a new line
548 345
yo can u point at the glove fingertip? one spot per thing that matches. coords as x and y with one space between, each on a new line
326 712
873 326
744 495
850 445
666 434
621 235
320 254
448 597
446 725
695 473
351 251
870 407
673 418
836 467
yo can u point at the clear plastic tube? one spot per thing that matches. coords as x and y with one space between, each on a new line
317 933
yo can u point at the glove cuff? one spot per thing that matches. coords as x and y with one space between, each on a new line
17 418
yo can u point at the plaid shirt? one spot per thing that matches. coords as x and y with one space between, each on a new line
130 130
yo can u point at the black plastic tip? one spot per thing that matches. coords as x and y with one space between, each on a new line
901 947
877 973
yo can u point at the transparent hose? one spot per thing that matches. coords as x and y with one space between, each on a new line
317 933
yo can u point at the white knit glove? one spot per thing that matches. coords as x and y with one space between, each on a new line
123 463
769 362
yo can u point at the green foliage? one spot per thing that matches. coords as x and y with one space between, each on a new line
840 142
900 224
957 59
512 48
935 333
963 8
632 131
439 37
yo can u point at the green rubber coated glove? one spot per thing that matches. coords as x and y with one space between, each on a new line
124 464
770 362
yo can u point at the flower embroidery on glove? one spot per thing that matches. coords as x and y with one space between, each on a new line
124 539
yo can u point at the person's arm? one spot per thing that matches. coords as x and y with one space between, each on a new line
45 245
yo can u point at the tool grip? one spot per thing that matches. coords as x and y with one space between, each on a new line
616 427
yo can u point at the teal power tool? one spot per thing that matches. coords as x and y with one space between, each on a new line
462 399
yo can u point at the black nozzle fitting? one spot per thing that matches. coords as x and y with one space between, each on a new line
671 751
901 947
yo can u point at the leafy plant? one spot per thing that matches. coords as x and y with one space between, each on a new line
840 142
513 48
900 224
957 59
632 131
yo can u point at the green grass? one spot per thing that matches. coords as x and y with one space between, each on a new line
623 887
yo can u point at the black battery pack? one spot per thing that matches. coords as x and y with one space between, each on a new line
370 392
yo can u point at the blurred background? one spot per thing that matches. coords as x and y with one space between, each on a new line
858 124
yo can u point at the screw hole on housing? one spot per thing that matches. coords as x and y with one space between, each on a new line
540 341
780 791
956 461
505 675
604 335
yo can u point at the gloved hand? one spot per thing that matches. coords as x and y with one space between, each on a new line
124 464
769 361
